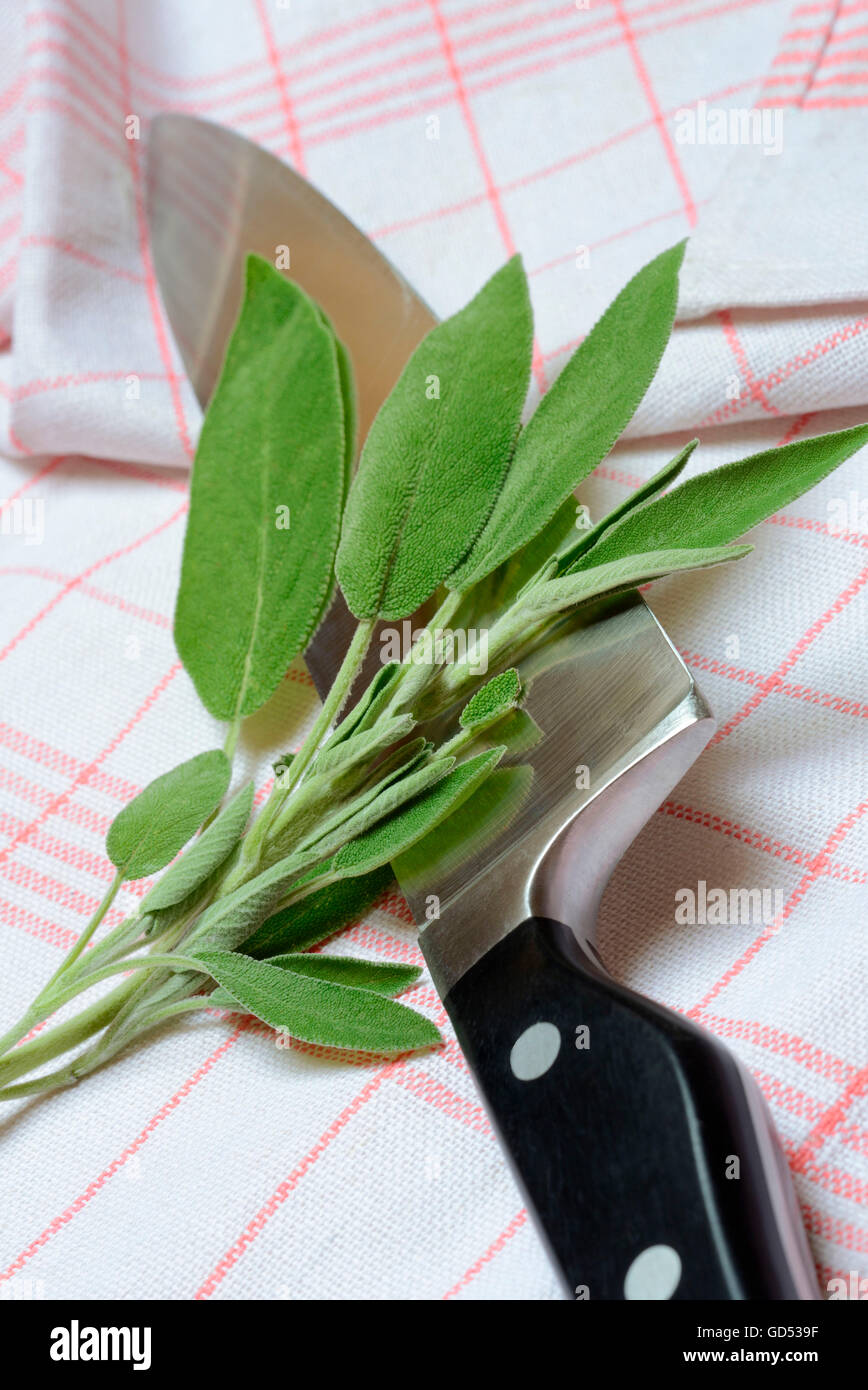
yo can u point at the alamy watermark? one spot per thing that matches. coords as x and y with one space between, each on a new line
25 517
77 1343
718 125
438 646
719 907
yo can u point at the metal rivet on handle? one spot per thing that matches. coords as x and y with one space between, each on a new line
534 1051
655 1274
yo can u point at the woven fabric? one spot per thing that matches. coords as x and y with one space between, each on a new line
209 1162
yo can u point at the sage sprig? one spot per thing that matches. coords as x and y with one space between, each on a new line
453 501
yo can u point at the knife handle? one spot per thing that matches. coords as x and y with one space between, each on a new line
644 1149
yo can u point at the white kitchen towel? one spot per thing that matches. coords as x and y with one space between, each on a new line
210 1162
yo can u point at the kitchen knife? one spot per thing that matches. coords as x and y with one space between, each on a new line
644 1148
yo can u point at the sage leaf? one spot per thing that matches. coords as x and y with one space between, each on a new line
147 834
349 403
383 842
470 829
402 759
383 977
540 552
581 416
231 919
319 915
437 452
377 802
361 747
317 1010
618 575
265 500
204 856
492 700
316 812
369 704
650 488
720 505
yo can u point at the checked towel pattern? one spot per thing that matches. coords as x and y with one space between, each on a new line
210 1163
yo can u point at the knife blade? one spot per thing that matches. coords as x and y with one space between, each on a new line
212 197
644 1148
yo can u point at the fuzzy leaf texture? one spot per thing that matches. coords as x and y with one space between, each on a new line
393 836
359 748
716 507
619 575
251 589
581 416
369 704
493 699
319 915
228 921
375 803
204 856
147 834
319 1011
650 488
437 452
383 977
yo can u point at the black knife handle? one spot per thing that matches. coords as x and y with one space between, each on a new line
643 1147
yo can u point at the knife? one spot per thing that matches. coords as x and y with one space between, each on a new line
645 1150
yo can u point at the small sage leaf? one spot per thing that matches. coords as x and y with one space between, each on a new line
378 802
474 826
716 507
437 452
508 580
149 832
369 704
581 416
317 1010
395 835
265 500
492 700
361 747
319 915
617 575
228 921
383 977
317 811
654 485
205 855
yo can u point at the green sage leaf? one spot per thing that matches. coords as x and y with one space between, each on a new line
317 810
437 452
205 855
617 575
668 473
318 1010
230 920
369 704
469 830
581 416
393 836
348 753
149 832
492 700
377 802
716 507
265 500
319 915
383 977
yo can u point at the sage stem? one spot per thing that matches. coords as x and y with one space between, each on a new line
75 951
